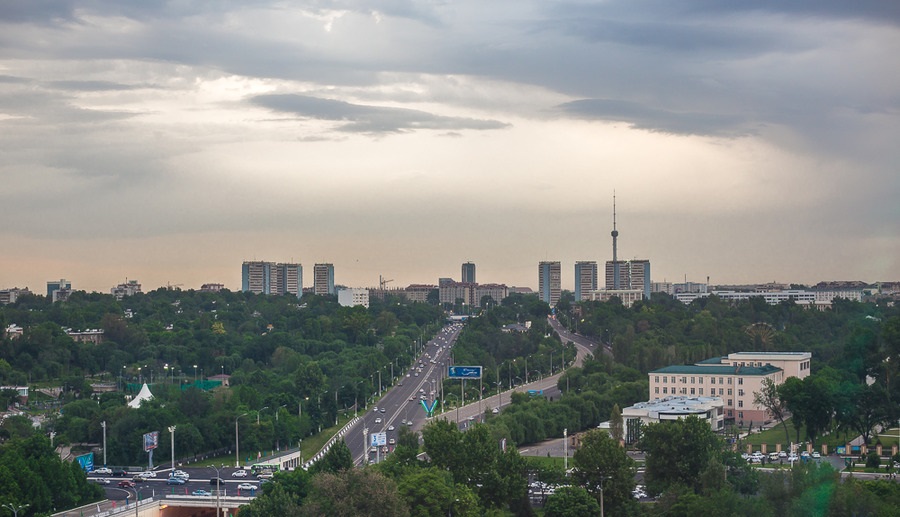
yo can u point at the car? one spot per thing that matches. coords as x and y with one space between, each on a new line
792 457
214 481
120 472
247 486
495 410
417 374
816 455
390 428
202 493
101 481
804 455
412 399
265 475
421 397
409 422
181 475
125 484
374 409
382 410
378 420
147 474
102 471
782 454
175 481
138 478
239 474
773 456
392 441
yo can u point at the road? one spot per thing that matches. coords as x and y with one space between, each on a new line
199 479
401 403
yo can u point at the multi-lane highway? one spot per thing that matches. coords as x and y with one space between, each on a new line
401 405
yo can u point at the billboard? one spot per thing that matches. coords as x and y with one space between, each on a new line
377 439
86 461
151 441
464 372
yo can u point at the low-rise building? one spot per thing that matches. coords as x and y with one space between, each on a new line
94 336
8 296
627 296
129 288
711 409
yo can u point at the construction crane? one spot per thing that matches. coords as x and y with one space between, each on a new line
383 282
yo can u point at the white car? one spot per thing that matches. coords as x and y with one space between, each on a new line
180 474
147 474
816 455
239 474
392 441
102 471
390 428
247 486
378 420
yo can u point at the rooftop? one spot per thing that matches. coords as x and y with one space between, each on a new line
676 405
718 370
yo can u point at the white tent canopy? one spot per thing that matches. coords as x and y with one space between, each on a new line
143 395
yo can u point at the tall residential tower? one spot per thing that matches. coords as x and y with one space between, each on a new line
323 279
585 279
549 286
468 273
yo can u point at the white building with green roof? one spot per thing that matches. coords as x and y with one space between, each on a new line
733 378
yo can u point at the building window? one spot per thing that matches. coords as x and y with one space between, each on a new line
720 380
665 390
665 379
729 392
740 403
740 414
740 393
657 389
684 380
656 378
740 380
729 380
721 391
712 380
693 379
730 403
684 391
692 391
701 380
701 391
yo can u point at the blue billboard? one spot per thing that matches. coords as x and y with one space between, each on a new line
464 372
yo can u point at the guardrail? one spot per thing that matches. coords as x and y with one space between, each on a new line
338 436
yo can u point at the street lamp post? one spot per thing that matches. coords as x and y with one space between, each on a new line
260 411
218 490
103 425
237 442
171 432
14 508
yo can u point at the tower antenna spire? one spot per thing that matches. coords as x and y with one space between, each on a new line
615 235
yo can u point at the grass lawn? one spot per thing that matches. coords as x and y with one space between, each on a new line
775 435
311 445
543 461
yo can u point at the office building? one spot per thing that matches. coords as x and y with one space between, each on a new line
626 296
549 282
270 278
468 273
323 279
8 296
351 297
419 292
733 378
54 287
629 275
129 288
585 279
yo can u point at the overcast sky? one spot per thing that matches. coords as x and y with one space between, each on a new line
169 141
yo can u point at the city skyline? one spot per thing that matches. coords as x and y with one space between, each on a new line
169 142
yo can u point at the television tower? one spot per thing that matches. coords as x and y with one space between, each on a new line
615 235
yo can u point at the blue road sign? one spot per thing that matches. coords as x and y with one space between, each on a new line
464 372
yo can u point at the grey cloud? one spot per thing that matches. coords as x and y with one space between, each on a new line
91 86
643 117
368 119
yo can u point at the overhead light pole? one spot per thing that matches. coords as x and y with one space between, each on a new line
14 508
171 432
103 425
237 442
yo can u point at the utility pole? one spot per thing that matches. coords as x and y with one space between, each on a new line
171 432
103 425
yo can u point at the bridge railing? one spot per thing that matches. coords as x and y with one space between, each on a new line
338 436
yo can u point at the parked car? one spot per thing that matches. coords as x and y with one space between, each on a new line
816 455
102 471
239 474
773 456
175 481
782 454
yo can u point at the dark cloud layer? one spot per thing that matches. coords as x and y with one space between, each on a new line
367 119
